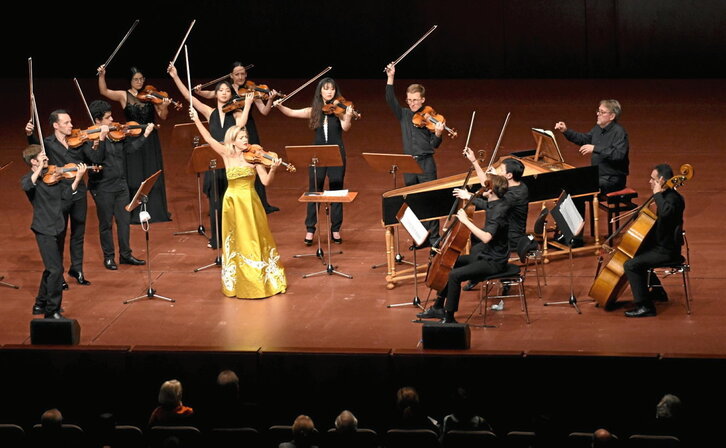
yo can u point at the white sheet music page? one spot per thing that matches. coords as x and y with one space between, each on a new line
571 215
335 193
413 226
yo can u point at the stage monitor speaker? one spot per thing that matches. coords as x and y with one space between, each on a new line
446 336
54 332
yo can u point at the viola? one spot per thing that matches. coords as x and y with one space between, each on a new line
428 118
338 107
261 91
67 171
117 132
257 155
149 94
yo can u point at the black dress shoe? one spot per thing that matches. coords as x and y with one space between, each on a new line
56 315
470 286
108 263
432 313
37 309
449 318
80 278
336 240
641 311
271 209
64 285
131 260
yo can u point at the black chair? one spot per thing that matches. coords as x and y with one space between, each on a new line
682 267
469 439
70 436
407 438
11 436
647 441
519 439
188 436
278 434
127 436
234 437
361 438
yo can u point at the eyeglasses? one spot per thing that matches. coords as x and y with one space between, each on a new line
602 112
414 100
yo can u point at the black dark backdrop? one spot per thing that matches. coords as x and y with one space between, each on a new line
296 39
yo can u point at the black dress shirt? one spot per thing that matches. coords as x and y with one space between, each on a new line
416 141
47 201
112 157
611 148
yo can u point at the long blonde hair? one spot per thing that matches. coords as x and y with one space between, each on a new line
231 136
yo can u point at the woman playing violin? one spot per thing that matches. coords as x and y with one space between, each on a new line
329 130
144 163
239 78
251 266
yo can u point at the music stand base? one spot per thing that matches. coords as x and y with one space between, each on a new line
2 283
330 270
399 259
150 294
572 302
415 302
217 262
200 230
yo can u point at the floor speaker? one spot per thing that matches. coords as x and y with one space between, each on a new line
446 336
55 331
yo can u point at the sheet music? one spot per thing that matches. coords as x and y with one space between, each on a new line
574 221
335 193
413 226
545 131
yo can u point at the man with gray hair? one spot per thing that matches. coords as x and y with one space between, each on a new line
346 422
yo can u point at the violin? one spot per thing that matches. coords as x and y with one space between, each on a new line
428 118
257 155
149 94
261 91
117 132
67 171
338 107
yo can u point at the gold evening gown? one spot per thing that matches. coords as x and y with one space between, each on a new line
251 266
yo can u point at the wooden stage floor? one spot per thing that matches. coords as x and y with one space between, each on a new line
674 121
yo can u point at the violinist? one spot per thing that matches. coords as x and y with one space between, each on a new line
110 190
144 163
219 122
49 226
251 266
662 246
486 258
418 142
75 204
328 130
239 78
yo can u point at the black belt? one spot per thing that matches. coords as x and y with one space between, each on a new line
422 156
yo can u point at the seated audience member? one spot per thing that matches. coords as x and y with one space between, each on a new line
227 409
303 433
171 411
346 422
668 417
463 417
603 439
410 415
50 428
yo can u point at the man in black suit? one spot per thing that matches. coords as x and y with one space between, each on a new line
48 200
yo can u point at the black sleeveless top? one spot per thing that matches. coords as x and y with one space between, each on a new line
217 128
335 132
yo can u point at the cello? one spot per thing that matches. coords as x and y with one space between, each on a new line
611 280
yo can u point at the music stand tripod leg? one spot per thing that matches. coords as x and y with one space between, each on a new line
318 253
218 260
199 230
330 269
415 301
572 301
9 285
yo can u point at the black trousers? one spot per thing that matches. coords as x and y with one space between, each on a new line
110 205
76 213
637 272
467 267
50 292
428 166
336 178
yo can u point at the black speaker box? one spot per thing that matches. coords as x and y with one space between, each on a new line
55 331
446 336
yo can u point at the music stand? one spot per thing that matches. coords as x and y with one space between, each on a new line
2 283
392 163
142 198
205 156
181 135
420 235
315 156
571 224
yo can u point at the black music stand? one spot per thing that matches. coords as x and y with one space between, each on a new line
2 283
420 235
207 159
391 164
142 198
315 156
181 135
571 224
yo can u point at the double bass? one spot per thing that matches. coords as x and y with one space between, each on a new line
611 280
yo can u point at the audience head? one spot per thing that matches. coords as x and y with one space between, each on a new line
228 383
346 422
668 408
602 439
303 429
462 406
51 420
170 394
408 403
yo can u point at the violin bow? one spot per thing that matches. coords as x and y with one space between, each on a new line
290 95
37 121
499 140
30 77
189 80
413 46
110 58
80 92
182 44
221 78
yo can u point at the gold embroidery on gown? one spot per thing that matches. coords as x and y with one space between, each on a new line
251 266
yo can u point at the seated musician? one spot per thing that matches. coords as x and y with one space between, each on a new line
662 246
486 258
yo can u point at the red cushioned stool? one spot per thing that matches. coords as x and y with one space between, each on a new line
616 202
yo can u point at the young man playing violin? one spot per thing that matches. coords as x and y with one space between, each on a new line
485 258
60 153
48 197
662 246
418 142
109 187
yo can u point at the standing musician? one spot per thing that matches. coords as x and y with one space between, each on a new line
485 258
662 246
418 142
75 204
49 225
328 130
219 122
239 77
110 190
